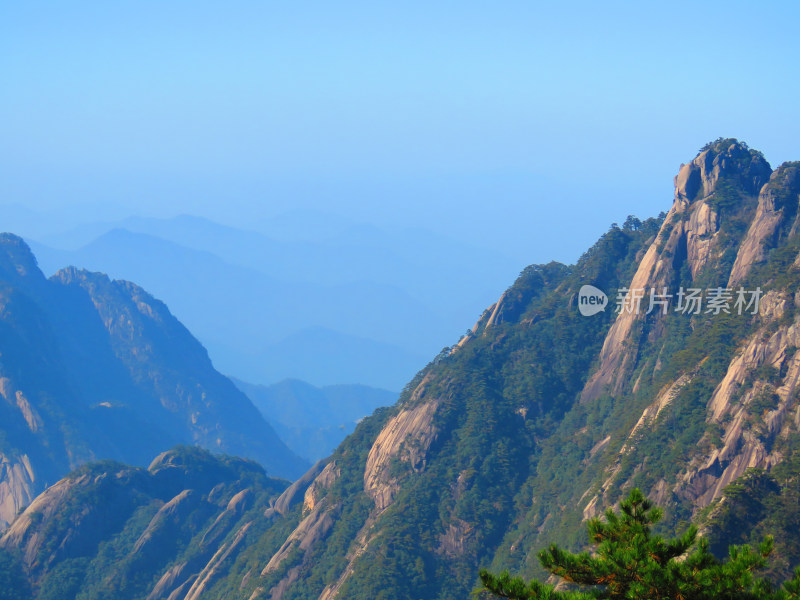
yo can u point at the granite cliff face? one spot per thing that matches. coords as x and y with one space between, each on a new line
776 219
92 368
730 212
729 399
538 419
714 195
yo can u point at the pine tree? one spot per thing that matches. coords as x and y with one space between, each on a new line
631 562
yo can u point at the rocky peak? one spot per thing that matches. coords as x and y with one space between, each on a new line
16 259
70 275
715 198
722 159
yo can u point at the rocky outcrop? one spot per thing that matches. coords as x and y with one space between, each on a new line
649 415
754 404
725 158
227 519
214 568
776 216
167 519
320 485
17 262
406 437
185 546
17 487
364 539
17 397
85 528
311 530
652 412
690 236
175 579
295 492
619 347
747 441
319 517
455 541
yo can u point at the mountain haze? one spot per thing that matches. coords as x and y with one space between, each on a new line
538 419
97 368
381 300
312 421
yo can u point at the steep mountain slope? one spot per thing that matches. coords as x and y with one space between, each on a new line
404 494
311 420
94 368
186 510
541 417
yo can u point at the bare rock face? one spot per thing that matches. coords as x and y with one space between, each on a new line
454 541
166 519
765 370
700 177
17 397
690 236
724 182
406 437
295 492
320 485
617 355
649 415
748 438
170 581
319 516
17 487
310 531
776 217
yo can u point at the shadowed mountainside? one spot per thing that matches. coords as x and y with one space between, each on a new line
95 368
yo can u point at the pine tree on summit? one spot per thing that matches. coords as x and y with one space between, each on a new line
631 562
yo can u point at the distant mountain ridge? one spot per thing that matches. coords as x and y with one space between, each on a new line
95 368
312 421
387 298
540 418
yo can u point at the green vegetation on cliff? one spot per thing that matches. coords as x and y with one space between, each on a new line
630 562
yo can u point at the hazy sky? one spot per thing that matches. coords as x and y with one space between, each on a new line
528 126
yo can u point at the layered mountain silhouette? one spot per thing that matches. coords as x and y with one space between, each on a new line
509 440
95 368
359 305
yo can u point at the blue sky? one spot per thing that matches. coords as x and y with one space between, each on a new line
525 126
